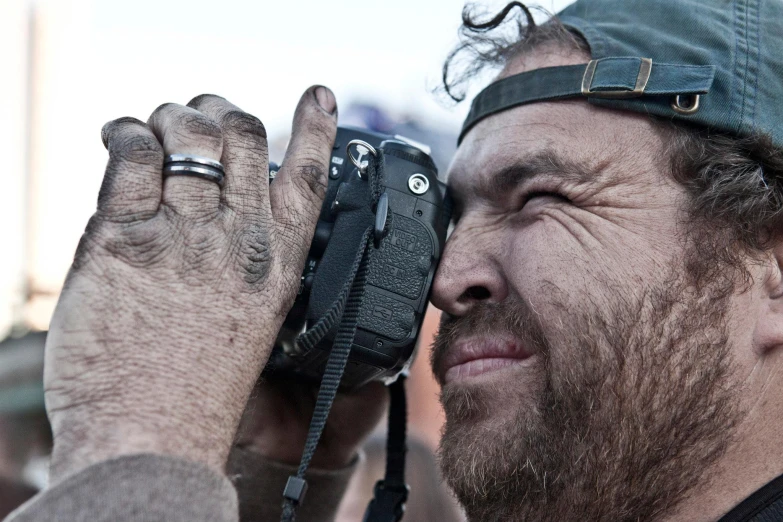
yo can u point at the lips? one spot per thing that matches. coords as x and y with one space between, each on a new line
472 357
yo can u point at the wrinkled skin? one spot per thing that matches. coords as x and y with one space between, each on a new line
178 289
572 240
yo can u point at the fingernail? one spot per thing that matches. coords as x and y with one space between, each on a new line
325 99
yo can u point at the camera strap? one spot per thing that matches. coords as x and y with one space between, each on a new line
391 493
346 309
345 312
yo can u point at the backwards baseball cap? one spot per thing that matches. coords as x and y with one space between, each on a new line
716 63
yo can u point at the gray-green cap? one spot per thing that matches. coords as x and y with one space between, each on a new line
725 55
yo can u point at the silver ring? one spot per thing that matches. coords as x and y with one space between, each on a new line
361 165
190 158
190 165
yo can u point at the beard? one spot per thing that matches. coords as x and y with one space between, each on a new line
625 408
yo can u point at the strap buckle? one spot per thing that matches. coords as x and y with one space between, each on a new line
388 504
295 489
641 82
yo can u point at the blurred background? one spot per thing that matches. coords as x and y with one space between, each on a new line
69 66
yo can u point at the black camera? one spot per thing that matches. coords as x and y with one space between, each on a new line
400 270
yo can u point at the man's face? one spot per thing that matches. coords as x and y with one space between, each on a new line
584 375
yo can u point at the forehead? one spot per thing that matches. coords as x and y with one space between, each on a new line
572 130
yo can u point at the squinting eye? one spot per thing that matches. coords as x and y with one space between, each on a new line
543 194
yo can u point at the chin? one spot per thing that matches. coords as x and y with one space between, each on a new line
474 410
501 394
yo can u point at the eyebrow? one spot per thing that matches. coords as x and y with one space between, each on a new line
541 163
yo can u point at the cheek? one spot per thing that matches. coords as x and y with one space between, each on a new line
569 257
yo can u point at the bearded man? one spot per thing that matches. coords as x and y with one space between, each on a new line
612 289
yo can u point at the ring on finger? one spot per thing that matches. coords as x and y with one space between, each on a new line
191 165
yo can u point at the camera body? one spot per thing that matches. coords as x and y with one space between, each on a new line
400 270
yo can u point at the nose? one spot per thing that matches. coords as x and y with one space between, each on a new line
469 273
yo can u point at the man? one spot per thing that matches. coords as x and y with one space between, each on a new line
612 289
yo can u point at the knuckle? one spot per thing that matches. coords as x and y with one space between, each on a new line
255 254
203 99
163 107
311 180
200 126
139 244
127 120
132 147
244 123
114 126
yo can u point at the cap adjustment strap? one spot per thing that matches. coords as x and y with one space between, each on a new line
613 78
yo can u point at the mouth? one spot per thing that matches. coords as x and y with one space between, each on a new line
473 357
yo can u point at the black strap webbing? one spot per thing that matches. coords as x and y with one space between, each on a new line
391 493
335 366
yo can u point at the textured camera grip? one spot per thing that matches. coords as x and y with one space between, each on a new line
385 316
402 263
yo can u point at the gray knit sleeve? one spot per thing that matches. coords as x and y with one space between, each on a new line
141 488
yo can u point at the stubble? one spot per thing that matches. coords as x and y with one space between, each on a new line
634 403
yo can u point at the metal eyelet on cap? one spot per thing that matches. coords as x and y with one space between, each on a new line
691 108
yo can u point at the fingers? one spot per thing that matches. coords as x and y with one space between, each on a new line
245 153
131 188
184 130
299 188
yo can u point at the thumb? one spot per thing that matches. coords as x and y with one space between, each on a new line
298 191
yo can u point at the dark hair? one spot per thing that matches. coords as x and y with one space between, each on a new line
735 189
735 184
496 41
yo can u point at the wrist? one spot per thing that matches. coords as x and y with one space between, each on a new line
81 441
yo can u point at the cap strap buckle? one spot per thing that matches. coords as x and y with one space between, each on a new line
618 78
645 69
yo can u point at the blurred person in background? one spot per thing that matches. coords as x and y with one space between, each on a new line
25 437
613 324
